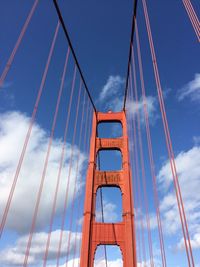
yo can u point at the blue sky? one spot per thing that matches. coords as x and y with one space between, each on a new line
100 33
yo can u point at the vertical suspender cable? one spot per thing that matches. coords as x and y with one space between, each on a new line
137 169
76 172
145 108
193 17
61 159
133 142
79 201
144 180
86 145
12 56
58 178
5 214
43 177
169 143
69 174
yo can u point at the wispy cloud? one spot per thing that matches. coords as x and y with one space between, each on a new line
111 88
150 102
191 89
111 94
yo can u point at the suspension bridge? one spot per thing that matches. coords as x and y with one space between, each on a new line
69 190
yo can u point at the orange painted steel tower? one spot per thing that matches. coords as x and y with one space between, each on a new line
97 233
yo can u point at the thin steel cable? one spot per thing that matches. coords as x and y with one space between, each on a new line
79 198
102 216
26 141
19 40
64 144
62 157
58 178
156 200
133 184
169 143
43 177
132 198
144 178
76 172
137 173
132 126
69 175
193 17
86 148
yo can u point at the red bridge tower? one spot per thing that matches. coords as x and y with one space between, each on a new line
97 233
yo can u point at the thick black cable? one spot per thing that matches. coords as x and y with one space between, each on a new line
130 49
73 52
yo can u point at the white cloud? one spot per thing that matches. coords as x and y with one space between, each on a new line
191 89
188 167
133 107
14 256
109 212
13 127
70 263
119 263
113 93
114 263
111 88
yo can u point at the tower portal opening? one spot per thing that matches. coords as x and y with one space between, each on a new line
112 205
109 129
109 160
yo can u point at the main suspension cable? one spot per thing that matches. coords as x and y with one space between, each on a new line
73 52
130 49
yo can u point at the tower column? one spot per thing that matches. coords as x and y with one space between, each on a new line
96 233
